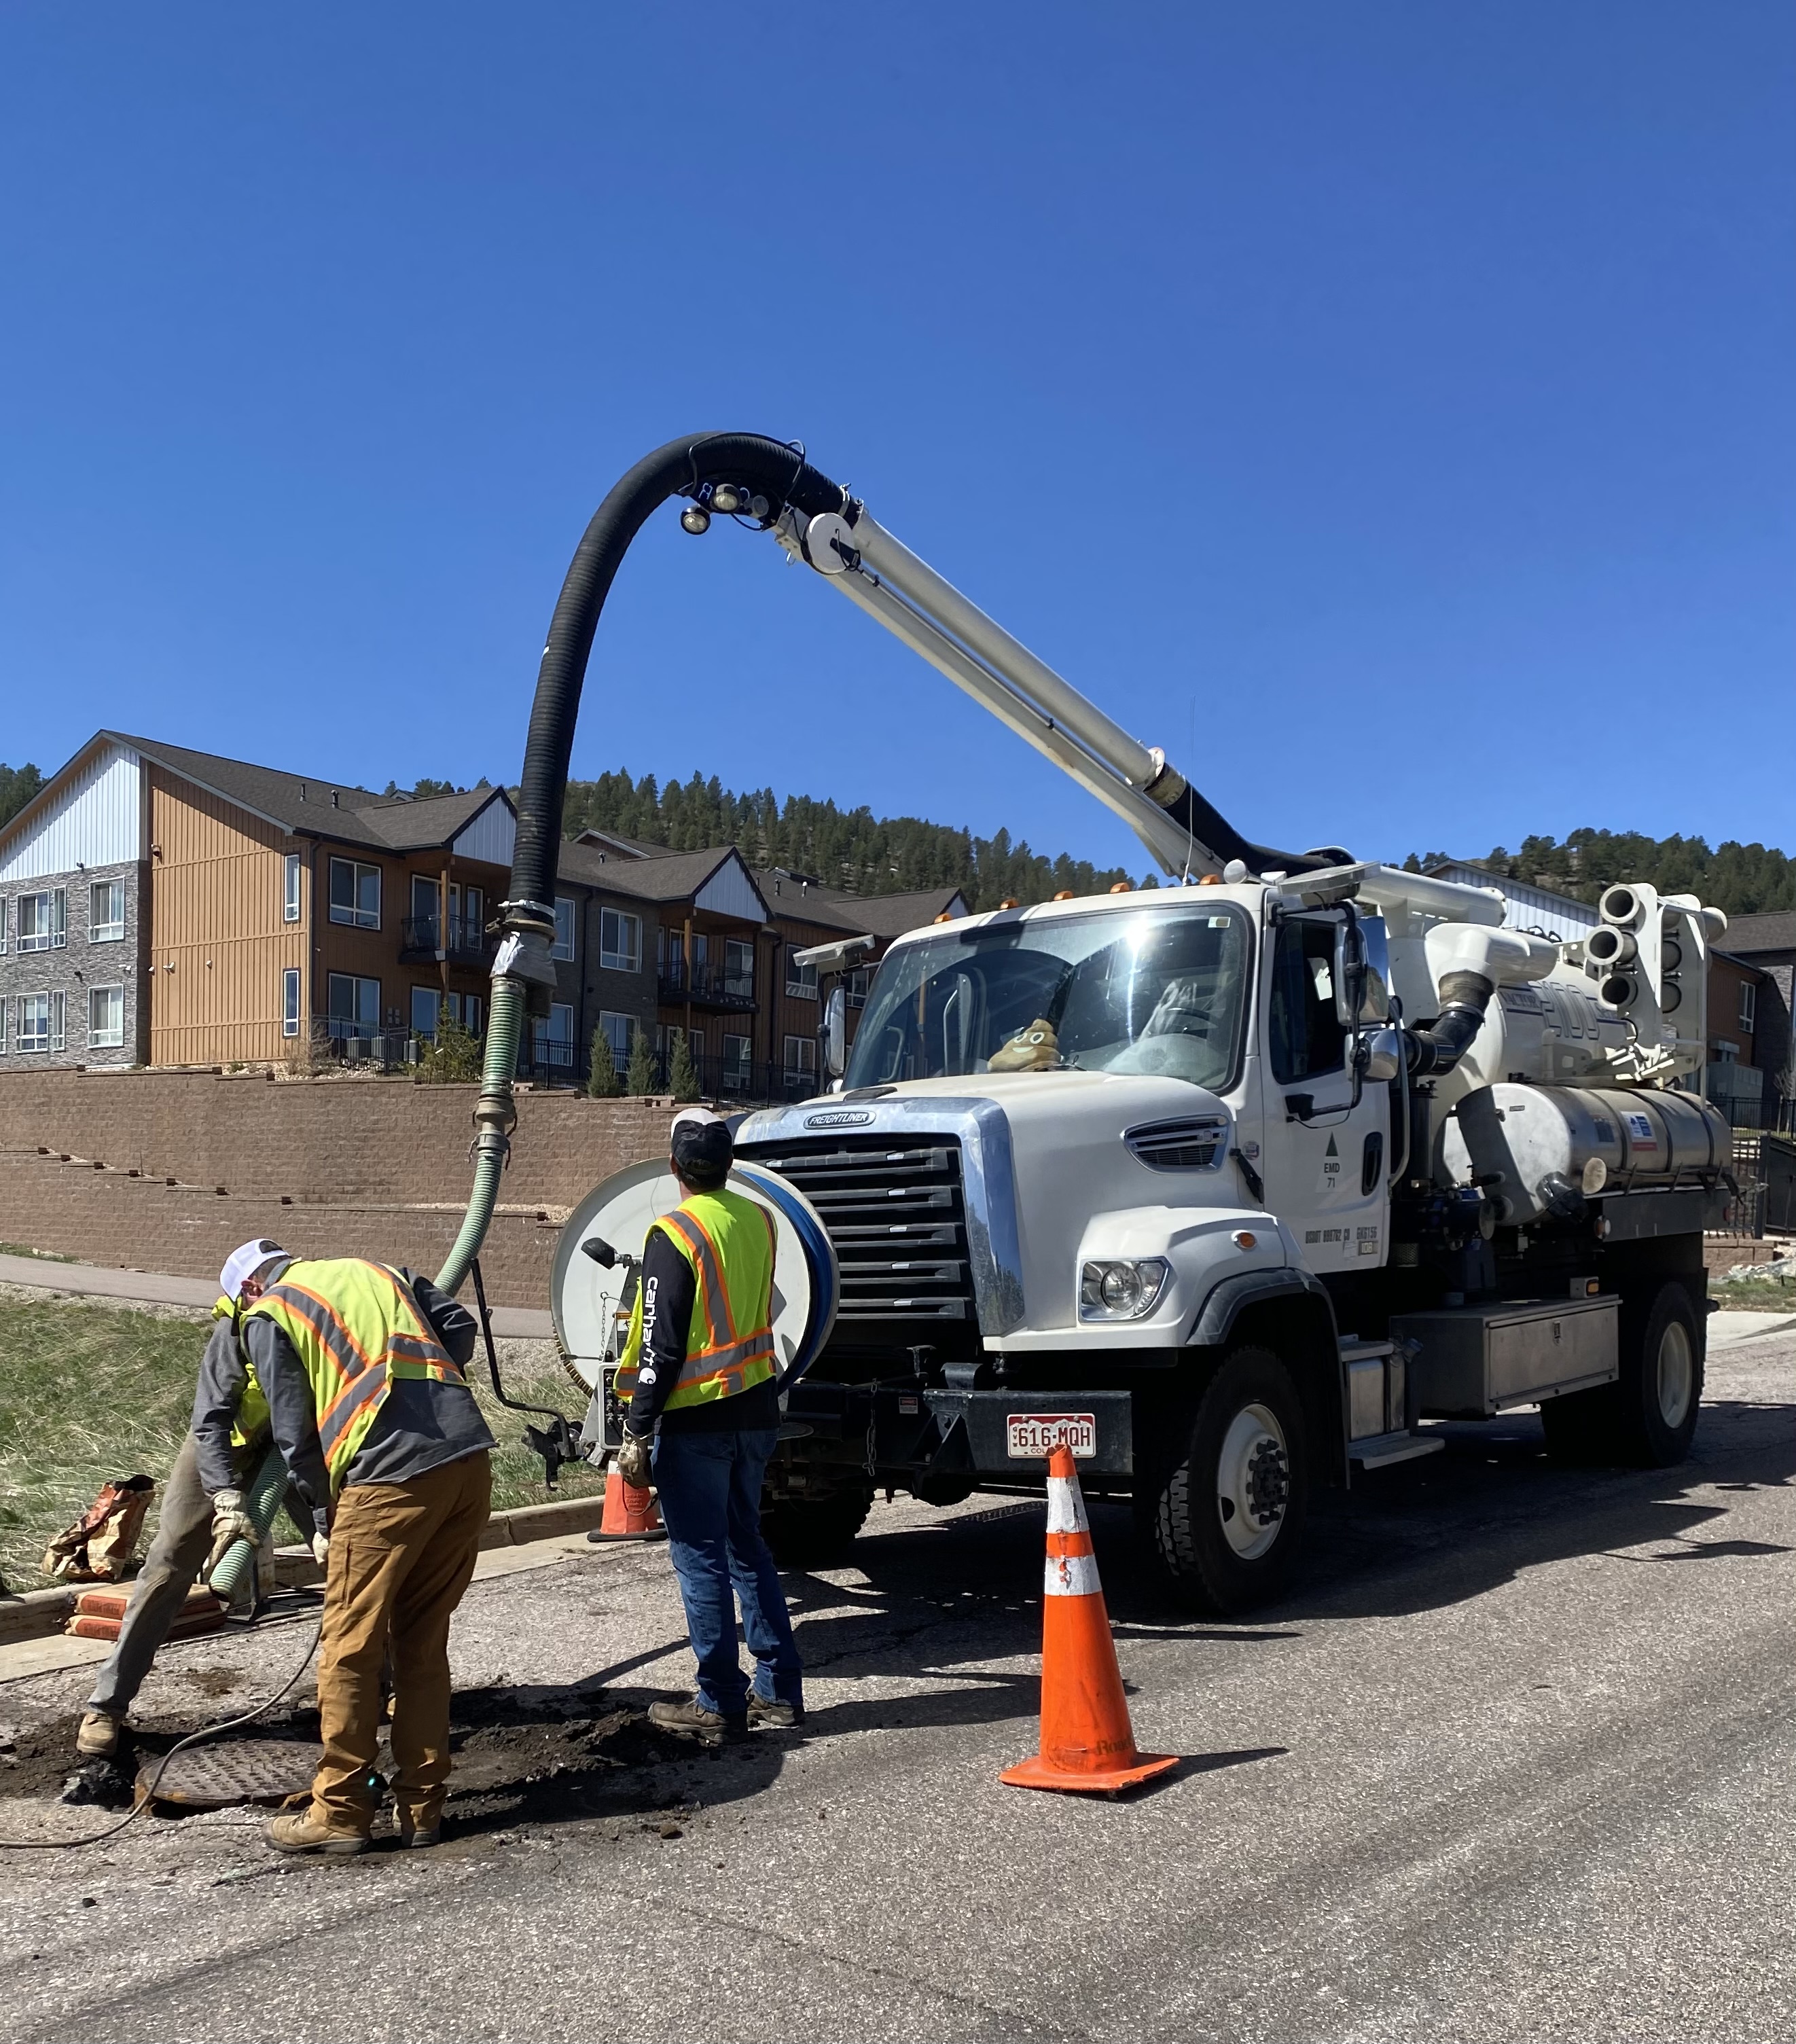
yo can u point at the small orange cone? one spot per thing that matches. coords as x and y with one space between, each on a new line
630 1513
1086 1741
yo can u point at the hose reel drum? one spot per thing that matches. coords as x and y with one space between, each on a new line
591 1298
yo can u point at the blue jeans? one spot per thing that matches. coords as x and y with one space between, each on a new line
710 1490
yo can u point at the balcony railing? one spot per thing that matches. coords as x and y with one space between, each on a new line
454 937
705 985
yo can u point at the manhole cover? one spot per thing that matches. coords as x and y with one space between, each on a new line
244 1770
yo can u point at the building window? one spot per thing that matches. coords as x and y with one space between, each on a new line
289 1001
289 912
1749 1002
105 912
620 941
857 982
354 1005
43 920
2 922
427 1008
554 1037
471 1013
618 1030
695 1043
735 1064
40 1021
563 945
356 894
801 980
105 1018
738 968
800 1055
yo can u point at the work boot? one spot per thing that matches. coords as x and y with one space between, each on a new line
770 1712
98 1737
298 1833
421 1839
692 1720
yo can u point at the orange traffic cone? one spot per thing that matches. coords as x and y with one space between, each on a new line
630 1513
1086 1741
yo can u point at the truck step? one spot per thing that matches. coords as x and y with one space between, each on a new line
1381 1450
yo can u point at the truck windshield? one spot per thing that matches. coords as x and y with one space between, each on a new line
1143 990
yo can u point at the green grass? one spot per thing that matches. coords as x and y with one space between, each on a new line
89 1391
1752 1295
43 1255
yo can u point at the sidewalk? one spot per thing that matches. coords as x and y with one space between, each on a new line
146 1288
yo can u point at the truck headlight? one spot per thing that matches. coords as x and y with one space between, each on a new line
1121 1291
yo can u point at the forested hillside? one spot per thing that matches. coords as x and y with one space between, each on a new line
851 849
1742 879
18 786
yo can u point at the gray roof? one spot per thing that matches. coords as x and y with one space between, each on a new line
309 807
858 915
673 876
1748 936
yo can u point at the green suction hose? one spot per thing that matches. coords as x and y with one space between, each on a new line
494 1116
261 1501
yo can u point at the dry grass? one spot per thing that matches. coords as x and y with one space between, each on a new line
89 1391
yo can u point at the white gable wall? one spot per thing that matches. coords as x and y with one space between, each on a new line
96 820
730 892
492 836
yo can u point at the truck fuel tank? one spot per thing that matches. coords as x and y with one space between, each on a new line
1554 1145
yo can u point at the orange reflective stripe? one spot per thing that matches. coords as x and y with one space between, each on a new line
331 1319
709 1269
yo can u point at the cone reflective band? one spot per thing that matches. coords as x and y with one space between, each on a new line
1088 1743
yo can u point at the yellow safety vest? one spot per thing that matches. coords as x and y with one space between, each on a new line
251 1422
356 1327
729 1241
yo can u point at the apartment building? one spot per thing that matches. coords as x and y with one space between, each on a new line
168 907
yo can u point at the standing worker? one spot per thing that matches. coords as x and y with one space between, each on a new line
698 1364
202 1504
361 1367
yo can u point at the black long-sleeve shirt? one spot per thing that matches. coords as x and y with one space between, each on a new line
422 1423
669 1288
217 1400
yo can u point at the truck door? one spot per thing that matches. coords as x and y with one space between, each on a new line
1327 1160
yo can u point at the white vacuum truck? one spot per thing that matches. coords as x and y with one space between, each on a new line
1235 1185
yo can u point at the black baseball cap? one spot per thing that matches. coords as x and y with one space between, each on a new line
700 1146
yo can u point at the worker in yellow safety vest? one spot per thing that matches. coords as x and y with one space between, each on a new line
201 1508
698 1371
362 1369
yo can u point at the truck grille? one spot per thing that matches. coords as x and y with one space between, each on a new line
893 1208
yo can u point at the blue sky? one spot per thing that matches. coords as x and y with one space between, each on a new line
1388 410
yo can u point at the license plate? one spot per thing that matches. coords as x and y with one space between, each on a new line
1033 1436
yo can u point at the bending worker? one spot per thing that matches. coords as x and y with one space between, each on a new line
201 1511
698 1370
361 1367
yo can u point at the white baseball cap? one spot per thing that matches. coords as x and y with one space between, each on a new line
244 1263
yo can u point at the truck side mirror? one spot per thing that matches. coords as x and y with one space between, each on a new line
1362 971
1381 1056
835 1033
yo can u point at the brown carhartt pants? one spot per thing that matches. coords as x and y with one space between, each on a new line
401 1555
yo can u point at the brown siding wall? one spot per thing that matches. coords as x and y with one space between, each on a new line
217 943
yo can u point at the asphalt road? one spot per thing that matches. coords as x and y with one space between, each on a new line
1517 1763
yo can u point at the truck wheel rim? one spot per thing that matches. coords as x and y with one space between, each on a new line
1253 1481
1677 1374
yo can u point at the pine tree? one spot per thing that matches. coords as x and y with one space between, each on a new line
640 1078
682 1079
603 1083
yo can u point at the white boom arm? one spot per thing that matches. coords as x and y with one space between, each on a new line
928 615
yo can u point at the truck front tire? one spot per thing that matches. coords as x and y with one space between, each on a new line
1647 1417
1227 1522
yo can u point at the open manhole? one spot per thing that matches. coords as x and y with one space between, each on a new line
244 1770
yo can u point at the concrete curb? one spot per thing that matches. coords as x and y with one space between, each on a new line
36 1614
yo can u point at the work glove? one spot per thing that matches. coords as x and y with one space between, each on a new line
321 1550
633 1462
230 1523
